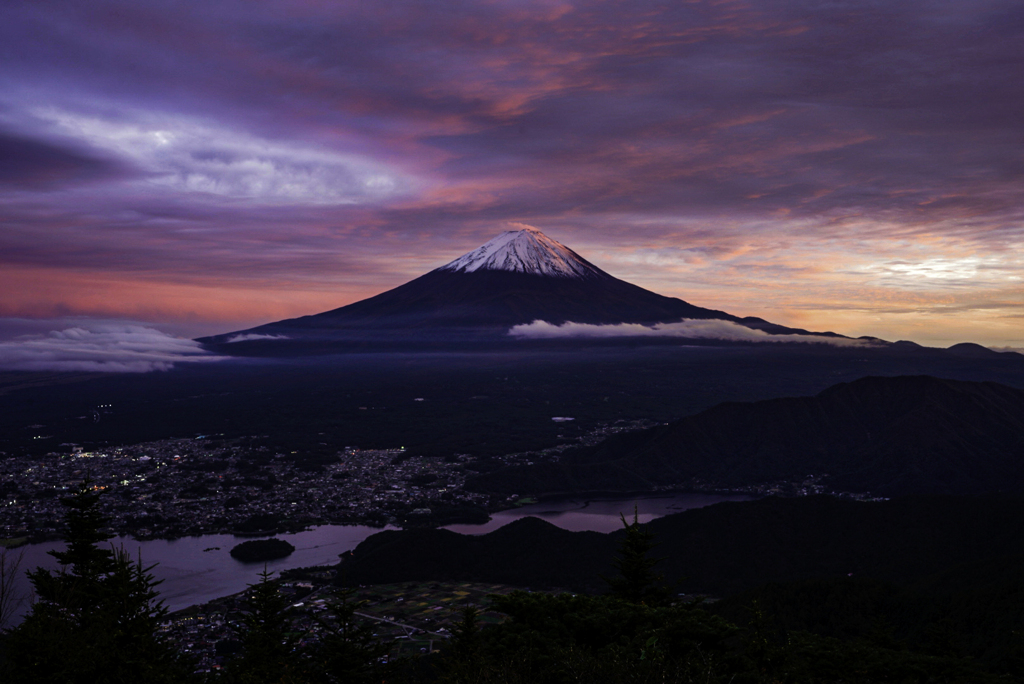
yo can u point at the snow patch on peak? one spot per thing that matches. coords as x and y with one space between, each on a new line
524 251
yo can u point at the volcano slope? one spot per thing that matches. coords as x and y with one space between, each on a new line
516 279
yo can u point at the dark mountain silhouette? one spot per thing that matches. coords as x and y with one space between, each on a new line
885 435
525 552
517 278
933 572
721 549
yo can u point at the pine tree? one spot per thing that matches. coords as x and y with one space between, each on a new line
463 656
266 649
349 653
95 619
637 582
768 651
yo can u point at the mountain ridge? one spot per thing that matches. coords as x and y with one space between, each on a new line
885 435
517 278
722 548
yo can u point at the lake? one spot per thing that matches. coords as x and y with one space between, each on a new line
199 569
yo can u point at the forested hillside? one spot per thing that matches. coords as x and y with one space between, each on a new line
884 435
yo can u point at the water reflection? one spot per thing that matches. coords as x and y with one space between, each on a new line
198 569
600 514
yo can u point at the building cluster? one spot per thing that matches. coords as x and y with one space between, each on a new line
209 633
595 436
811 485
181 487
411 618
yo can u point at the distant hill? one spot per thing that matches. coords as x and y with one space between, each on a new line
721 549
885 435
940 574
526 552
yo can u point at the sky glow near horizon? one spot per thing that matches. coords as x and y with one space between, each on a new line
855 167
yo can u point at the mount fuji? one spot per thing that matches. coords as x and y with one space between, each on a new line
518 278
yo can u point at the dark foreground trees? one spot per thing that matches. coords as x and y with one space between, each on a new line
636 633
95 620
565 639
267 650
345 651
637 581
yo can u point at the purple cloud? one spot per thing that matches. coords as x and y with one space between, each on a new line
104 349
28 163
235 145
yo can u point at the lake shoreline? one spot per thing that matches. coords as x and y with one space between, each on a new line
197 569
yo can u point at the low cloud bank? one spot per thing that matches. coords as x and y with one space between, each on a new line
104 348
254 336
688 328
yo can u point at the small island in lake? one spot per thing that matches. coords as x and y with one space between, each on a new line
262 550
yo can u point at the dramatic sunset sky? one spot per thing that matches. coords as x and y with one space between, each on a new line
200 167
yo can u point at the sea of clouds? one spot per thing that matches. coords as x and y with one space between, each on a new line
248 337
134 348
102 348
688 328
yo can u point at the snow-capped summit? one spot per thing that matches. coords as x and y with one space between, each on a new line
519 277
524 251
